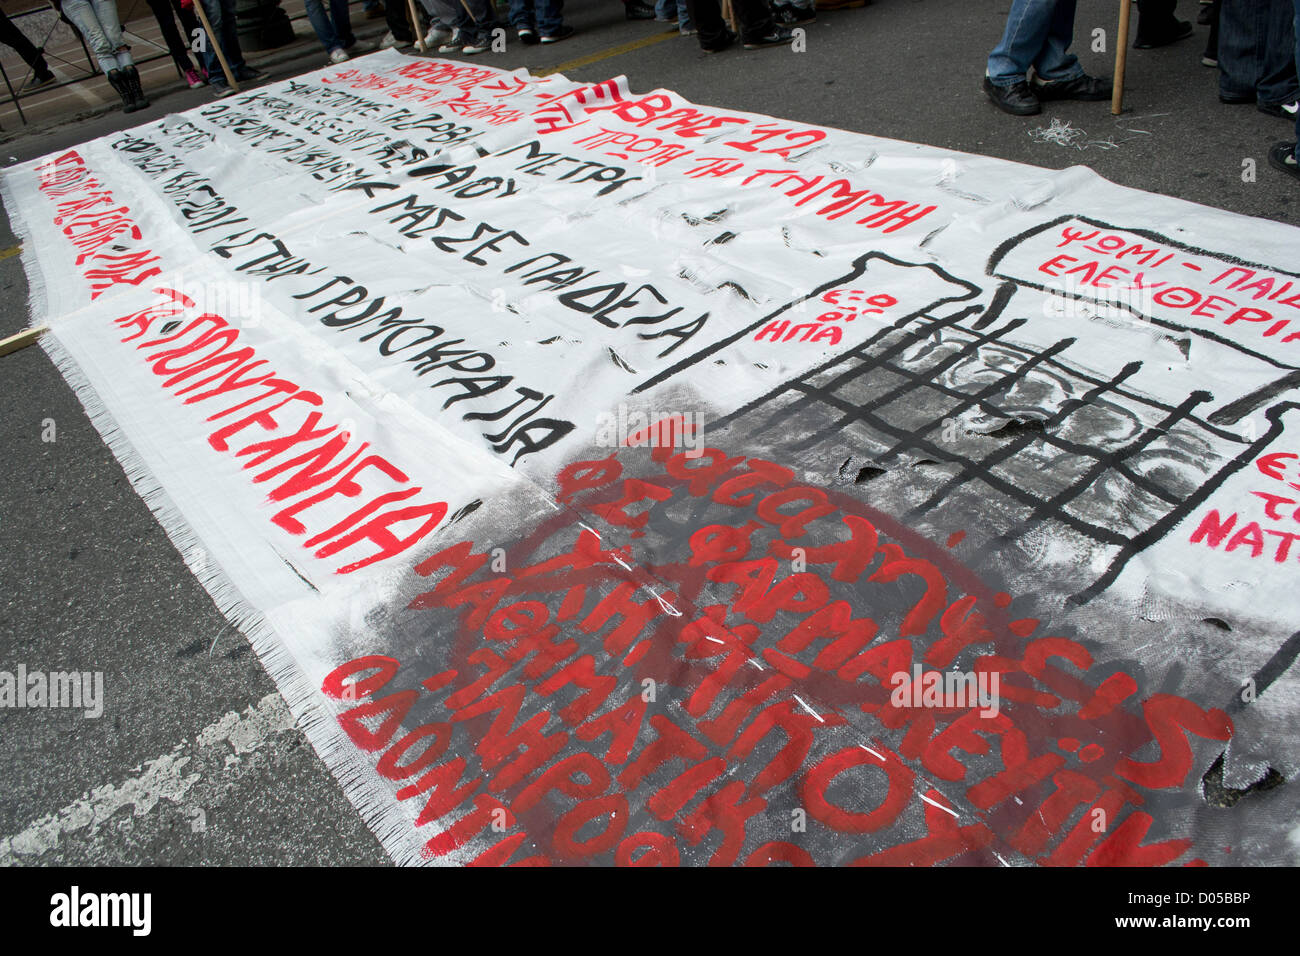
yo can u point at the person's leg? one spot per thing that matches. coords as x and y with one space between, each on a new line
441 19
229 31
707 17
522 16
321 23
478 17
221 17
1277 80
105 12
1022 40
179 50
342 23
1211 55
11 36
1055 62
755 18
550 16
395 14
82 15
1157 25
1238 63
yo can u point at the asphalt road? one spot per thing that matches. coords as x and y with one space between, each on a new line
195 759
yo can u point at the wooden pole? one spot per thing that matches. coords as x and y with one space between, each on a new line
415 24
1121 57
212 38
729 15
21 340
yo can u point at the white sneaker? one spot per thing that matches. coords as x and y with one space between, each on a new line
453 44
339 55
388 42
436 36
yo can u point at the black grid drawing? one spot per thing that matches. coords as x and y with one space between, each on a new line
882 400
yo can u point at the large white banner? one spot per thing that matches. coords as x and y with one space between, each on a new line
608 478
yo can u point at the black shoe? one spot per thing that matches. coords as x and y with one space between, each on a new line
791 15
1017 99
1236 99
118 82
1181 30
1282 156
638 10
37 82
775 36
1081 88
1286 111
563 32
727 40
250 74
527 36
131 76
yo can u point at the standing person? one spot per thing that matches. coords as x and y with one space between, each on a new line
221 17
166 12
333 28
97 22
1286 156
1257 56
757 28
11 36
1038 36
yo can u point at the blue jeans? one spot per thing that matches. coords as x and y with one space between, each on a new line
543 15
1296 29
334 29
668 9
1257 51
1038 34
221 15
97 21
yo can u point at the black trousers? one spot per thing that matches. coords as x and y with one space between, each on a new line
1155 18
398 25
10 35
177 46
755 19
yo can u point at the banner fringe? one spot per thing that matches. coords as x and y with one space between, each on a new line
391 823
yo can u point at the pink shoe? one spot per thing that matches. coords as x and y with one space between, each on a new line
193 78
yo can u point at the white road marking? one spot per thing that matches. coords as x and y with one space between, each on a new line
163 778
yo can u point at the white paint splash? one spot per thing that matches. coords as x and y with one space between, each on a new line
162 778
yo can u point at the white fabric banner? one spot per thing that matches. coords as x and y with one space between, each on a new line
607 478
